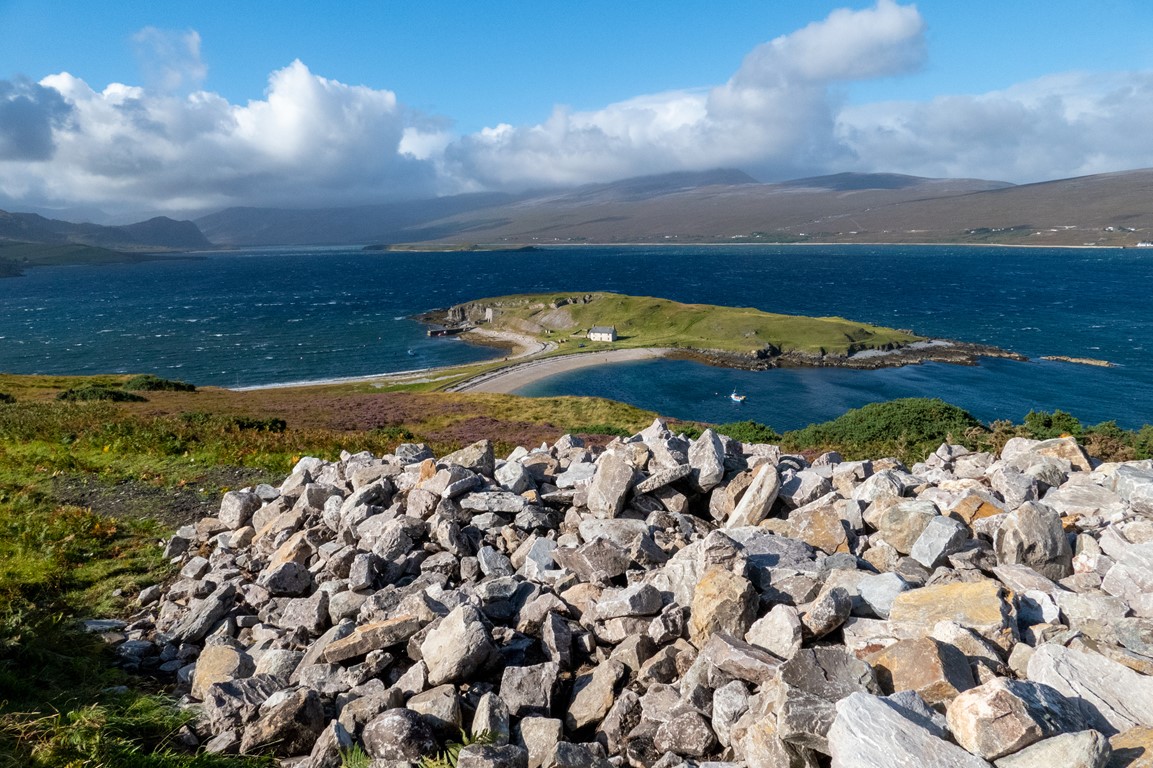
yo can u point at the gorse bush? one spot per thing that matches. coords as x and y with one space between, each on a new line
749 432
1042 425
908 428
149 383
6 398
96 392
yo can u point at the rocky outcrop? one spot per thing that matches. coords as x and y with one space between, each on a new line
666 602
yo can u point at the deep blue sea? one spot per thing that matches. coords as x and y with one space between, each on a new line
280 315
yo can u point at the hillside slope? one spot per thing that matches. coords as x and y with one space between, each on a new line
157 234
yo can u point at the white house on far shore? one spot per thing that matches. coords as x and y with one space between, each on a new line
603 333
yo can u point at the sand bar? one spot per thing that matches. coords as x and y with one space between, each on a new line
505 380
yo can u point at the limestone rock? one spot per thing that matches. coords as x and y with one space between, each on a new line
870 731
1135 486
399 735
780 631
527 691
1032 535
722 602
492 756
456 648
707 459
371 636
610 485
290 727
1132 748
980 605
593 695
903 523
757 501
1119 698
1004 716
219 664
1083 749
935 670
477 457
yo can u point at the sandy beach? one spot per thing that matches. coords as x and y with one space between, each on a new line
508 379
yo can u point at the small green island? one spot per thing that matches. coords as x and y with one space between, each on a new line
555 325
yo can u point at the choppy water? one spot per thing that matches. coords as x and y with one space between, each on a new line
277 315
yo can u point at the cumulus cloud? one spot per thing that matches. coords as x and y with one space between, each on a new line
310 141
28 115
1055 127
775 115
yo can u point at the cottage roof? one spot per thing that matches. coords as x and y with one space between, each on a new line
603 329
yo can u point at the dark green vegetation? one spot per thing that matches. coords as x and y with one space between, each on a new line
157 234
644 321
911 428
149 383
88 489
97 392
15 257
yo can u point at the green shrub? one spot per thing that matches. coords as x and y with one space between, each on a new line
243 423
1043 425
149 383
96 392
749 432
908 428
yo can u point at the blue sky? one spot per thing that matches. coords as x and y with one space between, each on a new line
187 106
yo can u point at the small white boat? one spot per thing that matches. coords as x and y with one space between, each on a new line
737 398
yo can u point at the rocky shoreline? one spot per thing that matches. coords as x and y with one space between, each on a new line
930 351
470 316
666 602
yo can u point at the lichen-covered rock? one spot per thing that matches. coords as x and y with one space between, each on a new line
400 735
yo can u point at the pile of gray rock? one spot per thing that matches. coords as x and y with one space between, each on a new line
664 602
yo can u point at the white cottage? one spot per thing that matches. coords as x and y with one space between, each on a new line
603 333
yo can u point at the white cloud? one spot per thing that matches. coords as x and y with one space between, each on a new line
310 142
775 116
1054 127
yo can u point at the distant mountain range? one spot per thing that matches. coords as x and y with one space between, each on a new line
692 207
158 234
730 206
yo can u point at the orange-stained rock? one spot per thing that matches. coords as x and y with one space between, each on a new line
938 671
983 606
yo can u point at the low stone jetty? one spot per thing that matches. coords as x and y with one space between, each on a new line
669 602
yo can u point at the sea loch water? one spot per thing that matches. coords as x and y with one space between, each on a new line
278 315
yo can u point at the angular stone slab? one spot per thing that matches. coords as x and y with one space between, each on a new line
980 605
870 732
1118 697
368 637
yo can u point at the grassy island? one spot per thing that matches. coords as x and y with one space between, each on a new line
644 321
